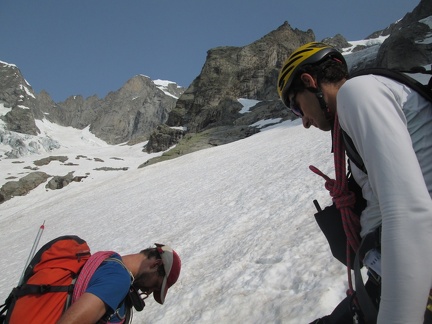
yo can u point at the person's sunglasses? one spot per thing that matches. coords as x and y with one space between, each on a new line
294 106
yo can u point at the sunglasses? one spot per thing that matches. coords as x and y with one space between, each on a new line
294 106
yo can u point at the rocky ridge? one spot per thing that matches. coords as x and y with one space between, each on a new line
229 73
127 115
208 112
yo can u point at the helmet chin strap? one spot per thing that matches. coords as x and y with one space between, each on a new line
324 108
320 96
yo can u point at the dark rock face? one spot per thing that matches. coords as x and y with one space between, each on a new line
405 47
22 186
192 142
136 109
251 72
17 94
128 114
49 159
21 120
210 105
209 109
337 41
163 138
32 180
59 182
230 73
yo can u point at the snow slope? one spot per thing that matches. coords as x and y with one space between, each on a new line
239 215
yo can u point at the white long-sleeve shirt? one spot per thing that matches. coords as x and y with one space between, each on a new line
391 127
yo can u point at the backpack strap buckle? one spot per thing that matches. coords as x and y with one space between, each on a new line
44 289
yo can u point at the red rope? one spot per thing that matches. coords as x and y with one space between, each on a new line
343 198
87 272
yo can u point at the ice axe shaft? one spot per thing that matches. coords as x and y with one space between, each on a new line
32 251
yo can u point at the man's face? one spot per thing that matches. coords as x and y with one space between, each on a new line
312 114
148 282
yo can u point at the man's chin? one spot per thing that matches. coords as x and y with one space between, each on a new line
324 128
327 125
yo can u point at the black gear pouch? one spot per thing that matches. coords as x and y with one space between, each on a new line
330 222
134 298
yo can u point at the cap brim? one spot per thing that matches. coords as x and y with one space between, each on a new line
167 260
159 296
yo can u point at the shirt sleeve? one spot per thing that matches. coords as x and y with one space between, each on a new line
110 283
371 114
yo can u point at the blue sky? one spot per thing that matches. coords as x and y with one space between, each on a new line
91 47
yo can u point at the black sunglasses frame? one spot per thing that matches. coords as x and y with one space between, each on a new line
293 105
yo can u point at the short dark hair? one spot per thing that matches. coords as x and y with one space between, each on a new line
329 71
153 253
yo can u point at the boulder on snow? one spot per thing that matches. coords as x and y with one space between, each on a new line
47 160
22 186
59 182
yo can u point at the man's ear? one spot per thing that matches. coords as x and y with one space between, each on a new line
155 263
308 80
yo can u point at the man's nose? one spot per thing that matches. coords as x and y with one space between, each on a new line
306 122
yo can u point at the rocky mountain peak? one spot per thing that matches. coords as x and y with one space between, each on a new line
137 85
235 72
129 114
210 104
405 47
17 94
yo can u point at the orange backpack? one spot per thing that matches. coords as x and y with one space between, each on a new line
48 282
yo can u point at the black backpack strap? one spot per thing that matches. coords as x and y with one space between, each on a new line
402 77
39 289
4 307
368 308
352 152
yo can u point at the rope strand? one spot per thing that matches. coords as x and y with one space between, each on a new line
343 198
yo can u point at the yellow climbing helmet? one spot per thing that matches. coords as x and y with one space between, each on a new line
310 53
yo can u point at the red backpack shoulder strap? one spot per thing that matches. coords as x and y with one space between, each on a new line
87 272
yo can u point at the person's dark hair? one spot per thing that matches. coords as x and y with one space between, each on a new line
329 71
153 253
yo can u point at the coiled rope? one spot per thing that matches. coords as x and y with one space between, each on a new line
343 198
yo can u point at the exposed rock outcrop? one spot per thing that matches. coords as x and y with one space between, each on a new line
230 73
163 138
17 95
192 142
406 45
47 160
59 182
22 186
